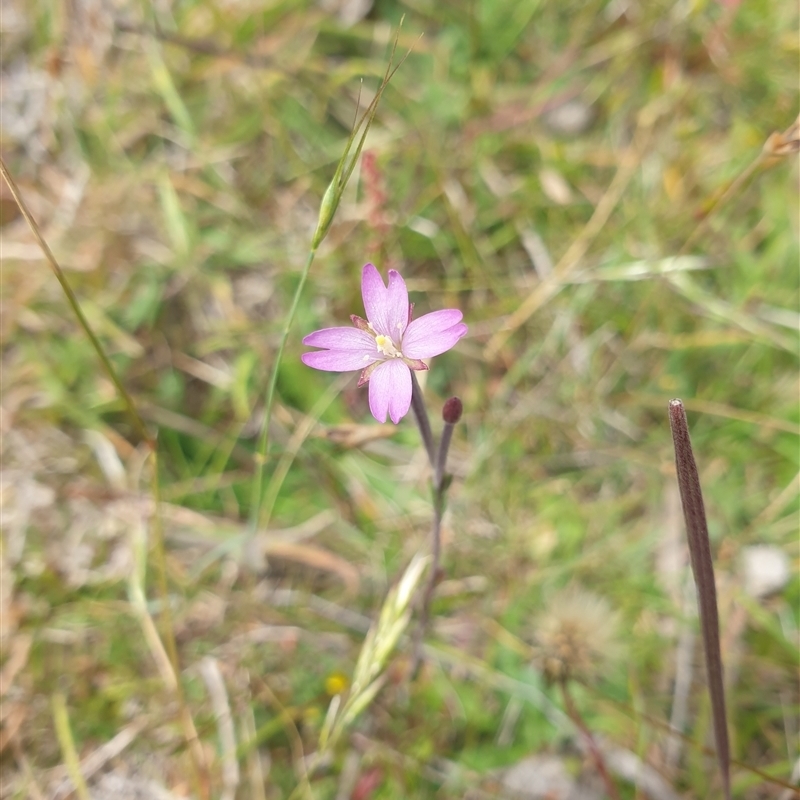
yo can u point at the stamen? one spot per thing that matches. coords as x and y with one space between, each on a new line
386 346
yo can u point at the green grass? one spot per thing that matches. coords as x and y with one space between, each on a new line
178 179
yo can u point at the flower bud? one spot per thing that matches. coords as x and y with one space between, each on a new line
330 200
451 413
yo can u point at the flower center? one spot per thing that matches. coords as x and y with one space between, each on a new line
386 346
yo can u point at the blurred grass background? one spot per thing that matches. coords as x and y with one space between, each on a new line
576 177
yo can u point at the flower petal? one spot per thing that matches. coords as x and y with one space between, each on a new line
387 308
390 391
397 308
433 333
337 360
373 292
342 339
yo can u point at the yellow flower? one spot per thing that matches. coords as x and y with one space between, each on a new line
336 683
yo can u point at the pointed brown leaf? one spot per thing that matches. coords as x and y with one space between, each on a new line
700 554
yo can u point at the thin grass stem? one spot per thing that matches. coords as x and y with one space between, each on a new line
72 299
777 146
262 454
299 436
199 770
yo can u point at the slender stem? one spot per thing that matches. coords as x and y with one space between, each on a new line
256 491
421 413
594 750
76 308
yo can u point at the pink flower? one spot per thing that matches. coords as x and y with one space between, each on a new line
386 345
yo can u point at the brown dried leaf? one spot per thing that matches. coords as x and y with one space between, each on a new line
703 568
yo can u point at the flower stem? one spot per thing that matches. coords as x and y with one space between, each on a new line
440 485
427 597
421 413
441 458
594 750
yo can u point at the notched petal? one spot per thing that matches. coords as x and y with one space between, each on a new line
390 391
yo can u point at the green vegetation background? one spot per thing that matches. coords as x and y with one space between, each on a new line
599 154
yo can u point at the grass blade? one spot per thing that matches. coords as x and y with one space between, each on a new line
67 743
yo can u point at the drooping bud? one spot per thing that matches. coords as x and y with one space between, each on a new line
452 410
